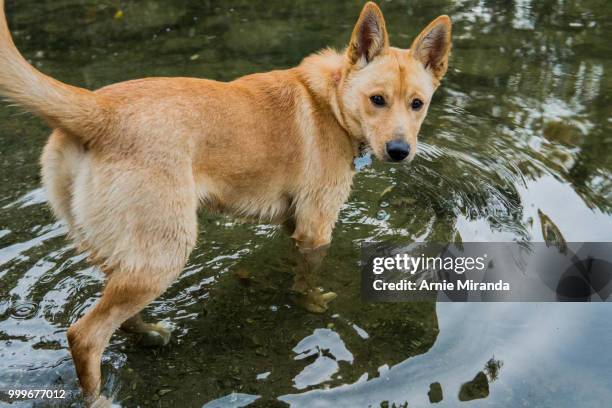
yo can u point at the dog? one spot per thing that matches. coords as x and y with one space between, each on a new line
127 166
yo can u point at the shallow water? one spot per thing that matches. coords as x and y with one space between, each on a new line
517 142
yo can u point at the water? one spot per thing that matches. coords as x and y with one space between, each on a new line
519 136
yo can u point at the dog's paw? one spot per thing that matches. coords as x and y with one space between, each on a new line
158 335
315 301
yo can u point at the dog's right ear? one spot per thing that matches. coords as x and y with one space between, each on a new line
369 35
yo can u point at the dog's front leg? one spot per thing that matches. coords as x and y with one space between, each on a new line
312 237
308 294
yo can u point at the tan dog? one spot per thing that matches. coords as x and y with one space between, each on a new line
127 166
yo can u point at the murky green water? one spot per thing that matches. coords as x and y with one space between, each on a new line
519 137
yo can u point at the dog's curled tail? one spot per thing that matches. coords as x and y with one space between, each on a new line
77 111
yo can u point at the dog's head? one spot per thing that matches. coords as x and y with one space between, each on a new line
385 91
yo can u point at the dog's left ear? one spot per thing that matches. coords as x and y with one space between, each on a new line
432 46
369 35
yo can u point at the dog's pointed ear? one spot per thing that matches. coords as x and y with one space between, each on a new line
432 46
369 36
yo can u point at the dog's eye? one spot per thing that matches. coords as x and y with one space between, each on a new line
377 100
416 104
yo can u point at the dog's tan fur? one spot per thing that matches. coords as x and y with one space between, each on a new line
127 166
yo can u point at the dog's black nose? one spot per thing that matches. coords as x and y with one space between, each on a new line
397 150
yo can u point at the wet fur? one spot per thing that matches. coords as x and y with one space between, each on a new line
127 166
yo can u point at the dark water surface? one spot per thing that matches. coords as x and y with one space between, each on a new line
517 146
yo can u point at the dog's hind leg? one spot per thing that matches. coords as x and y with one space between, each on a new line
141 227
152 334
89 336
123 297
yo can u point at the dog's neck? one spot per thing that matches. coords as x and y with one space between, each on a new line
322 74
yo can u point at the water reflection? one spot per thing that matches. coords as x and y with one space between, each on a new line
530 337
516 147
